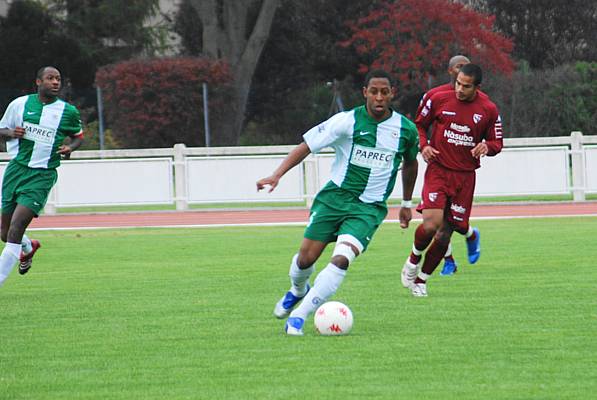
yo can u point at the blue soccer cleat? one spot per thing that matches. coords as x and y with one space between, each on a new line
294 326
450 267
287 303
474 247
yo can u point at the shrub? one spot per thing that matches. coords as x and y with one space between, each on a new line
159 102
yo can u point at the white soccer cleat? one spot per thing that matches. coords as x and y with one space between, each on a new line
287 304
294 326
409 273
419 289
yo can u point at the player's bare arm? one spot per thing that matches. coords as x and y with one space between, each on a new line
15 133
298 154
410 169
74 144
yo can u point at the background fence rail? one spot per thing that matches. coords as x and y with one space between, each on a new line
182 175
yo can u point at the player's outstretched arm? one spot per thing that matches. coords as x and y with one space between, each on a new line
298 154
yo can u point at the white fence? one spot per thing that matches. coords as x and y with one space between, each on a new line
181 175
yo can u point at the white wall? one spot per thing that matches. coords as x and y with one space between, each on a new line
228 174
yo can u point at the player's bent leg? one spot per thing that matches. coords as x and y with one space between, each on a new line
5 225
26 259
8 259
325 286
21 218
450 266
433 257
301 268
473 245
409 273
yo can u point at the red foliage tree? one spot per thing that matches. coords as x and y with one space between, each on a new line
159 102
414 39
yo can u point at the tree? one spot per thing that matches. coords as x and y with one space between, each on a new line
236 32
158 102
548 33
415 38
291 87
32 38
551 102
106 31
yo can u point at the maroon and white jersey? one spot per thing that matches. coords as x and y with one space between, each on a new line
432 91
458 126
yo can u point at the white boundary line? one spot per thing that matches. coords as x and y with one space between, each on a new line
257 224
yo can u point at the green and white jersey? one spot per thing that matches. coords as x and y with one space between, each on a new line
46 126
368 152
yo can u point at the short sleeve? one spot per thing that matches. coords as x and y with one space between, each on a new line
13 116
72 125
329 131
411 136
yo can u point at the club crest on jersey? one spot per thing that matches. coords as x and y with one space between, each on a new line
395 135
432 196
477 118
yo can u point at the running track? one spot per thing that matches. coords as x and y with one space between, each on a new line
281 216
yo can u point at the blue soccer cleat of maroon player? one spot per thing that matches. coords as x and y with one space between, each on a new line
473 246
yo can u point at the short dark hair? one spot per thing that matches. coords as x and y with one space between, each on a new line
40 72
473 70
378 73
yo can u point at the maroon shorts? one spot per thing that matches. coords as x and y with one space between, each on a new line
451 191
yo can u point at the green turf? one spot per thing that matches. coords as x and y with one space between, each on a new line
186 314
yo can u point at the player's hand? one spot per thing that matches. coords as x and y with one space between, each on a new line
479 150
18 132
64 150
404 216
429 153
270 181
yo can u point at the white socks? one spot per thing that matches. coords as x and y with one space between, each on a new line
326 284
26 245
10 255
299 277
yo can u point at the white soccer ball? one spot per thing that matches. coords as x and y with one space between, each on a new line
333 318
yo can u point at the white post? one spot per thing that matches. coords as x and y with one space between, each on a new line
578 166
180 177
311 179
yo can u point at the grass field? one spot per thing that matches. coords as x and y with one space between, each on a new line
186 314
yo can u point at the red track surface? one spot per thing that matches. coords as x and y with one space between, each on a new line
193 218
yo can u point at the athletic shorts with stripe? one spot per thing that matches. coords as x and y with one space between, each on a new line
29 187
336 211
451 191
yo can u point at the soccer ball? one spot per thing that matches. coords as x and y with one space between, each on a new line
333 318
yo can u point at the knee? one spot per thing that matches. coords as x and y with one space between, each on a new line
344 254
430 227
442 236
306 258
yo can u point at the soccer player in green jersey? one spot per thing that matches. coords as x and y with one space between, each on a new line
34 127
371 143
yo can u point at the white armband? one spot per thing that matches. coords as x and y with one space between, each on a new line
406 204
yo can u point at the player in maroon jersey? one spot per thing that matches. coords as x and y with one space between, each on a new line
454 66
465 127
